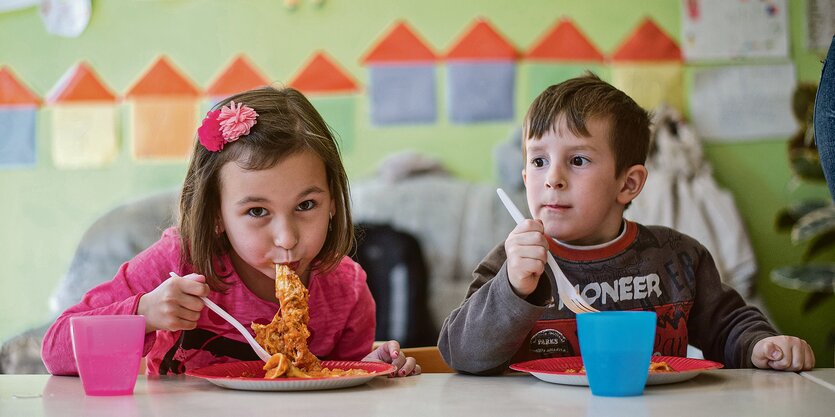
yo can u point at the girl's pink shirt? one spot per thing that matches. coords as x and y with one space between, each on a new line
341 323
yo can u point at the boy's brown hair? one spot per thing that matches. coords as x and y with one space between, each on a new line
582 98
287 124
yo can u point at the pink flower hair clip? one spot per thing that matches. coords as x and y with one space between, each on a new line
226 125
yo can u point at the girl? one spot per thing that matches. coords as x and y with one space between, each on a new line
265 186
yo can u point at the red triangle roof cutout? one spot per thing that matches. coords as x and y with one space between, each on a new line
239 76
648 43
163 79
13 92
482 42
564 42
80 83
400 45
322 75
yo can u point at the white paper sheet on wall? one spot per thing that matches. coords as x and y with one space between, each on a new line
820 17
730 29
743 102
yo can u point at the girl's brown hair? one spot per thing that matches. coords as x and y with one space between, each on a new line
287 124
585 97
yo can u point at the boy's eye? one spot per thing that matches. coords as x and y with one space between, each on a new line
306 205
257 212
578 161
538 162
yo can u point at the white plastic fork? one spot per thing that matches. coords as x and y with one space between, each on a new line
569 296
235 323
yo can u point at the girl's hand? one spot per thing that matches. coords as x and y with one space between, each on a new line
389 352
784 353
527 253
175 304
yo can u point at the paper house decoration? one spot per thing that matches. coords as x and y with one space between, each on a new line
241 75
563 52
647 67
401 78
321 75
481 76
333 92
648 43
164 112
18 108
84 120
564 43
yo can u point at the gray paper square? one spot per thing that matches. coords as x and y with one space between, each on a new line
480 91
403 94
17 136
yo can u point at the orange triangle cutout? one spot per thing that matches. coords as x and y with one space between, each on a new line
482 41
648 43
322 75
80 83
239 76
564 42
163 79
401 44
13 92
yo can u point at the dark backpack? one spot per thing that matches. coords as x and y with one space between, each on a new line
397 278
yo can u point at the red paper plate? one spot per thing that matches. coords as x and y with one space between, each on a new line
553 369
250 376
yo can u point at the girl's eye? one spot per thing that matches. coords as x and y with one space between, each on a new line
578 161
538 162
257 212
307 205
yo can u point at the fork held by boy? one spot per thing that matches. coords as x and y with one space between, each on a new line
569 296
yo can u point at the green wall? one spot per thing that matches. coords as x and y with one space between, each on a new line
44 211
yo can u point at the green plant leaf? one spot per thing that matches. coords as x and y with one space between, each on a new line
813 224
819 244
808 278
815 299
788 217
806 164
803 101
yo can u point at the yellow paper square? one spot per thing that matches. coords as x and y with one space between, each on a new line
163 128
83 135
650 84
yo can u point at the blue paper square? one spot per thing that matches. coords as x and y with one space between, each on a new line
480 91
403 94
17 140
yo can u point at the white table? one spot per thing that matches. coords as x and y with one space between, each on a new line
715 393
825 377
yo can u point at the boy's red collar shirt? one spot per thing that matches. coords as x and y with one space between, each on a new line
580 255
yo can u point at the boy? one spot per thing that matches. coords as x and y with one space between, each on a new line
585 144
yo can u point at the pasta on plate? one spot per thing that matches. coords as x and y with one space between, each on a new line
653 367
285 338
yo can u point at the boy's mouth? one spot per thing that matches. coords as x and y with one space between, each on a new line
557 206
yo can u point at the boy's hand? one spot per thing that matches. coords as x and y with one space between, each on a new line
527 252
784 353
175 304
390 352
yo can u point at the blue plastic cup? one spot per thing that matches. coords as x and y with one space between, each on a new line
616 347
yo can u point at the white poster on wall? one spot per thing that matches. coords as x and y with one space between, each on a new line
820 16
731 29
743 102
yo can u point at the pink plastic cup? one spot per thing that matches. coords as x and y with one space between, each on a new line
107 352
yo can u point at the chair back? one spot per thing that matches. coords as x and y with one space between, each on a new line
398 280
429 358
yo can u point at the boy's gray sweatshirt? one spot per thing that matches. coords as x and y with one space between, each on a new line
649 268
